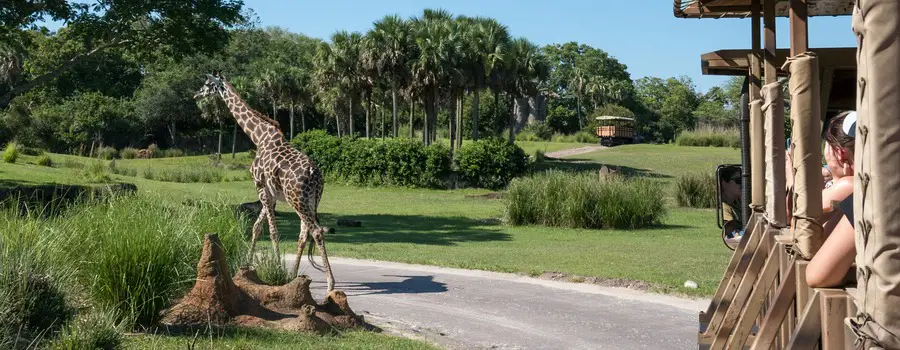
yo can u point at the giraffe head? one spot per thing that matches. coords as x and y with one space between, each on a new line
214 85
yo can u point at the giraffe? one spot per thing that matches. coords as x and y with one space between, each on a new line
280 172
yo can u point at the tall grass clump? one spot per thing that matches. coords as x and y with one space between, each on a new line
136 253
107 153
696 190
96 330
96 172
578 137
45 160
271 270
710 136
11 152
128 153
583 200
33 302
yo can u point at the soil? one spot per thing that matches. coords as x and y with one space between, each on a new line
217 299
488 196
606 282
573 151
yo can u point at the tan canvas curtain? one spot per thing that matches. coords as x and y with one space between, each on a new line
876 192
773 108
806 153
757 156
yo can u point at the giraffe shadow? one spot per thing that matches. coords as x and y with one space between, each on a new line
424 284
386 228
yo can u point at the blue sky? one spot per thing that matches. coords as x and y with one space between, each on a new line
642 34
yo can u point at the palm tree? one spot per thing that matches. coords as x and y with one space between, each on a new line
436 41
326 73
215 109
297 95
527 70
487 42
346 50
388 49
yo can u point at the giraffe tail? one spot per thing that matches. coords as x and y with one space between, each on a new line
309 249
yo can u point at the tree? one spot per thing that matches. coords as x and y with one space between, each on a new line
486 44
388 48
214 108
527 69
436 41
144 28
165 99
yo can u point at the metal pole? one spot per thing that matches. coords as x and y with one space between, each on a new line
745 153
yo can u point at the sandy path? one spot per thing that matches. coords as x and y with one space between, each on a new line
574 151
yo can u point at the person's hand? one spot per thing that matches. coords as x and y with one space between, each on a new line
788 169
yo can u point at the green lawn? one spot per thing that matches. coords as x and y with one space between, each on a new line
264 339
447 228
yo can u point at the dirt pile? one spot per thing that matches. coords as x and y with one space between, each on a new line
218 299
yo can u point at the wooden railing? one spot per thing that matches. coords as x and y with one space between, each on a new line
763 301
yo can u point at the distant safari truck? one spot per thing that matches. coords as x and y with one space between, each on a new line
615 130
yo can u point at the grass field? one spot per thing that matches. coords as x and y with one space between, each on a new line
448 228
245 338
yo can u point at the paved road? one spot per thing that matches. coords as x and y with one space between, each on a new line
464 309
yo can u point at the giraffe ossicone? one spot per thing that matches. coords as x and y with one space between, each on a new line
280 172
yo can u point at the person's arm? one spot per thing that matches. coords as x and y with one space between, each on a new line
832 262
839 190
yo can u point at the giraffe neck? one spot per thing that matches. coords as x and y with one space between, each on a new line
258 127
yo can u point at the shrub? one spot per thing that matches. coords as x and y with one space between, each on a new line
107 153
710 137
29 151
397 162
11 153
490 163
96 330
45 160
579 137
32 299
96 172
134 254
697 190
582 200
541 131
172 153
128 153
272 271
154 150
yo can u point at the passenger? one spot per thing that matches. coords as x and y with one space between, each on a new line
830 265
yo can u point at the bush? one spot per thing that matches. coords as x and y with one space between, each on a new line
271 270
172 153
582 200
29 151
11 153
107 153
96 172
45 160
128 153
579 137
154 150
96 330
134 254
542 131
710 137
395 162
33 303
490 163
696 190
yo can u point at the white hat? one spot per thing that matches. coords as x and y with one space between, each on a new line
849 126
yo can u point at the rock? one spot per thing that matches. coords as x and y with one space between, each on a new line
217 299
250 209
349 223
691 284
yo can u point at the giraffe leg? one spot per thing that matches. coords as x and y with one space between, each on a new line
263 215
301 243
319 237
273 231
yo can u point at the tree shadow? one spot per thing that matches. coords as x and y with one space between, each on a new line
410 285
386 228
572 164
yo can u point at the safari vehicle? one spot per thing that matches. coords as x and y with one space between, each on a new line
614 130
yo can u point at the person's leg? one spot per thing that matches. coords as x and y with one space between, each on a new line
830 265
